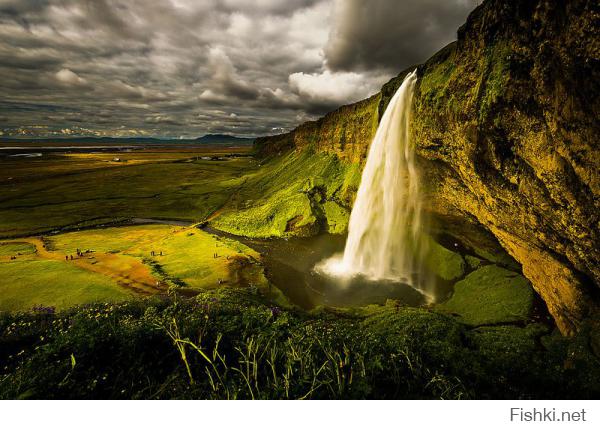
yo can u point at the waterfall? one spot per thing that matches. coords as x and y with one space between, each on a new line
385 232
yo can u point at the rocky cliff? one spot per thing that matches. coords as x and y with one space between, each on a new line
345 132
506 128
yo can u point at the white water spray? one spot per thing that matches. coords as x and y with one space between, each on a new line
385 232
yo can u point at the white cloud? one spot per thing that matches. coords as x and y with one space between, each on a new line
69 77
334 88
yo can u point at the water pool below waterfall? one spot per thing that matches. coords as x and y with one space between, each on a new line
289 265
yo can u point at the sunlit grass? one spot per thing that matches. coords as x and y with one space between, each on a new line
123 262
58 284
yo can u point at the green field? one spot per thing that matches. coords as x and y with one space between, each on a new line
88 189
15 248
55 194
120 265
73 199
188 254
26 284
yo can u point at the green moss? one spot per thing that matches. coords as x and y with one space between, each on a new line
337 217
510 352
507 345
437 336
473 262
446 264
496 79
491 295
498 256
435 84
293 195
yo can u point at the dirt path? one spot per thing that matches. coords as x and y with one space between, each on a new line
128 272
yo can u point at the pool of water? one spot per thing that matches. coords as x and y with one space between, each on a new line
289 265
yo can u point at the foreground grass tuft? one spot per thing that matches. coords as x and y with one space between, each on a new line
231 343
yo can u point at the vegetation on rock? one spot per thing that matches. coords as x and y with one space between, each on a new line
232 344
505 125
297 194
491 295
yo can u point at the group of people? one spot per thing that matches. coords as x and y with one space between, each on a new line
153 254
80 253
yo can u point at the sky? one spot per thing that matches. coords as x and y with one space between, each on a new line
185 68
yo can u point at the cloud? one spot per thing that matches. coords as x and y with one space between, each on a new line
68 77
331 89
187 67
224 79
391 34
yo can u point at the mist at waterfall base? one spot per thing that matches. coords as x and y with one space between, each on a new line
386 241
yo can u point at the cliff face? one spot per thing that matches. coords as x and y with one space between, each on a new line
506 127
508 117
345 132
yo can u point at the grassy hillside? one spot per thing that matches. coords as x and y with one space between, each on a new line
299 193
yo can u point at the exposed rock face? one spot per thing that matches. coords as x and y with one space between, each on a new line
511 112
346 132
506 127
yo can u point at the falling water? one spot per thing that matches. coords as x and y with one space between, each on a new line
385 238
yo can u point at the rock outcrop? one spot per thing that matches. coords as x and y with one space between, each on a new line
506 127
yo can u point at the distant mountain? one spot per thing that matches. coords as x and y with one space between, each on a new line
214 139
225 138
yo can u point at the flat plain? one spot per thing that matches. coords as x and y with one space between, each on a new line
80 227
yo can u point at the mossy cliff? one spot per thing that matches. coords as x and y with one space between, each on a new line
506 131
506 126
345 132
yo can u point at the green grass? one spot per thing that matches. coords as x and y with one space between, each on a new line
292 195
491 295
111 239
233 344
187 262
497 78
51 198
189 257
188 253
14 249
53 283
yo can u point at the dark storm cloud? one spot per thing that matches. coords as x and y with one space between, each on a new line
392 34
188 67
